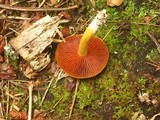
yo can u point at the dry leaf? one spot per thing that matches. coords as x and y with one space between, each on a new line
7 76
65 15
2 44
3 27
65 31
38 82
18 115
1 58
7 72
15 115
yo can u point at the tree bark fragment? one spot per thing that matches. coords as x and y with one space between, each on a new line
32 42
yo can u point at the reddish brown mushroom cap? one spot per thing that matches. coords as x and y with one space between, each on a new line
82 67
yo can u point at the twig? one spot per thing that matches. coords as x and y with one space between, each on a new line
30 1
16 2
154 117
41 4
7 107
137 23
1 11
157 12
14 17
53 107
49 85
56 103
108 33
11 4
30 88
60 3
120 33
154 40
74 98
35 9
1 111
19 80
14 30
155 64
146 24
2 98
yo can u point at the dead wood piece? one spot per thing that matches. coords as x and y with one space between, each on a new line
32 42
40 65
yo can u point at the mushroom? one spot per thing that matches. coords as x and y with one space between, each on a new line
113 3
84 56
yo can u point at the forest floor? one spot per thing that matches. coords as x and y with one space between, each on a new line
127 89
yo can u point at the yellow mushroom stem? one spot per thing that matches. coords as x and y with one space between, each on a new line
90 31
83 47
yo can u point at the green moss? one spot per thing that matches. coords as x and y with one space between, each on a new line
121 111
141 80
153 55
100 3
86 95
60 93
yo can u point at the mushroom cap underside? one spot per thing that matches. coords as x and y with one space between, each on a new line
82 66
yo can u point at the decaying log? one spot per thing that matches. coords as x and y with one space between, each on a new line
32 42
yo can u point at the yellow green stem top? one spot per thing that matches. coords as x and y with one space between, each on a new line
90 31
